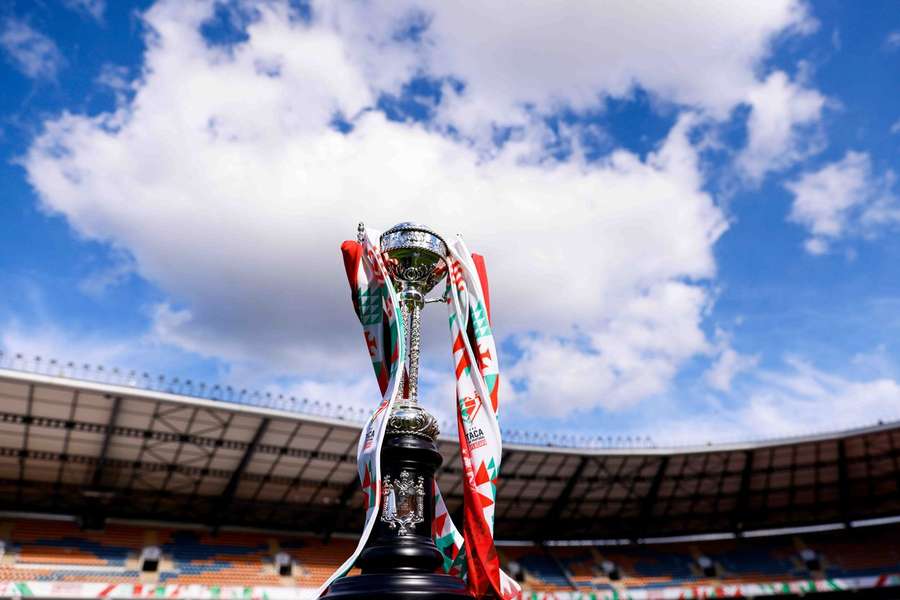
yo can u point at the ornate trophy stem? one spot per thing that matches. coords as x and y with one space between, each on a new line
415 340
404 311
400 560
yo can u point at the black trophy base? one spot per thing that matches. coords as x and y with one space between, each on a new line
400 563
399 586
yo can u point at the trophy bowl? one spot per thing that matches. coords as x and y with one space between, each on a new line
415 256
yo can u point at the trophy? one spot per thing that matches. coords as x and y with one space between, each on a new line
416 259
401 559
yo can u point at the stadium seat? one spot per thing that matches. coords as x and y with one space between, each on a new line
46 550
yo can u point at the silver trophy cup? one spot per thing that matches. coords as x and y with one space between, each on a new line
416 259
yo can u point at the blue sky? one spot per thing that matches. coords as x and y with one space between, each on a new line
690 215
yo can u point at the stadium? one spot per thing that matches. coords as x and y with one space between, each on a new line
662 236
120 485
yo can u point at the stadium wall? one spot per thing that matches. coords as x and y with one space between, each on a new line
62 590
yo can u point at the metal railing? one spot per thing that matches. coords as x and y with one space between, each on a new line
83 371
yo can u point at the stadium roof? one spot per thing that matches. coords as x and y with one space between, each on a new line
82 447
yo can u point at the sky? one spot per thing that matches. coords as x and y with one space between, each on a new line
689 210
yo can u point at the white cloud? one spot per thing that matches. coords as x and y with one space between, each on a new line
895 128
876 363
114 77
796 399
806 398
701 54
727 365
41 341
892 41
781 111
117 272
29 50
232 194
632 356
544 56
816 246
92 8
841 199
822 199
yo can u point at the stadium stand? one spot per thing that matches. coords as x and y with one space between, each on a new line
59 550
113 489
845 553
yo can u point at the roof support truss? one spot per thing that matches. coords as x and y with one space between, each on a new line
649 500
343 501
554 515
97 477
231 487
843 483
739 519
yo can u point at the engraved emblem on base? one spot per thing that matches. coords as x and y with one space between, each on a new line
403 502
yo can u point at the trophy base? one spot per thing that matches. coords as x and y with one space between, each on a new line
403 566
399 586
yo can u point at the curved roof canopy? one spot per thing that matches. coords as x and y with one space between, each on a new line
71 446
